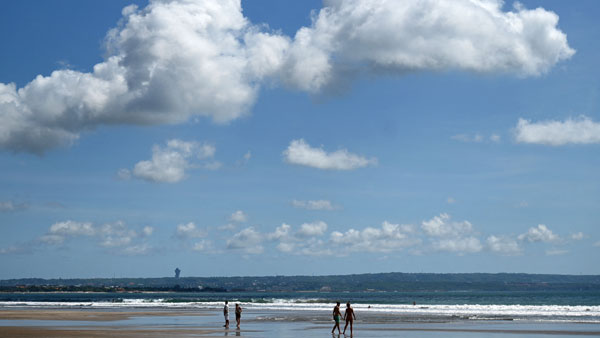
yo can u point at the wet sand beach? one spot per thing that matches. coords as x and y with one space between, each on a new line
208 323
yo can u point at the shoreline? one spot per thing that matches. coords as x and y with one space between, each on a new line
208 323
89 314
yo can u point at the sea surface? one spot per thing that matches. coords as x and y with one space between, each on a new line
536 306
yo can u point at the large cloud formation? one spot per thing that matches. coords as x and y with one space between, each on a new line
180 58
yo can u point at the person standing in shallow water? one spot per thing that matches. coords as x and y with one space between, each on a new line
349 317
336 317
238 314
226 314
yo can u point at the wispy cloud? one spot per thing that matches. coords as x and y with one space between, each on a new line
313 204
117 237
9 206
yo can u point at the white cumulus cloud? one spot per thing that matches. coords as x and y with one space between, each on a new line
580 130
189 230
312 229
353 36
169 163
503 245
541 233
451 236
72 228
166 62
239 216
176 59
301 153
440 226
247 240
387 238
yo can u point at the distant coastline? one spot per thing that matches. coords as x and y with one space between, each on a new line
396 281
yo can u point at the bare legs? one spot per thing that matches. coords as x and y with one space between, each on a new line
345 326
337 324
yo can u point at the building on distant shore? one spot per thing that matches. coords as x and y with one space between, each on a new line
177 272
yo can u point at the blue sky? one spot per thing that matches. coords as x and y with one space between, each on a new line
298 137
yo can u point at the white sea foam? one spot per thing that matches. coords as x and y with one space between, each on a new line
470 311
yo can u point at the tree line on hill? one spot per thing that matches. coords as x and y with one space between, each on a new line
357 282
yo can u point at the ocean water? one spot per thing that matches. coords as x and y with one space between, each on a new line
537 306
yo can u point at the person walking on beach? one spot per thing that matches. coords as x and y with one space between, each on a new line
349 317
336 317
238 314
226 314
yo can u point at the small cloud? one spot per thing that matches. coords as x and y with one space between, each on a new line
203 245
116 236
440 226
147 230
72 228
170 163
578 236
597 244
238 216
450 200
137 250
189 230
312 229
227 227
313 205
248 241
17 249
10 206
503 245
387 238
581 130
281 232
451 236
51 239
541 233
475 138
459 245
124 174
245 159
301 153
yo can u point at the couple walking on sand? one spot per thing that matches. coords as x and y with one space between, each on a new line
238 314
349 317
